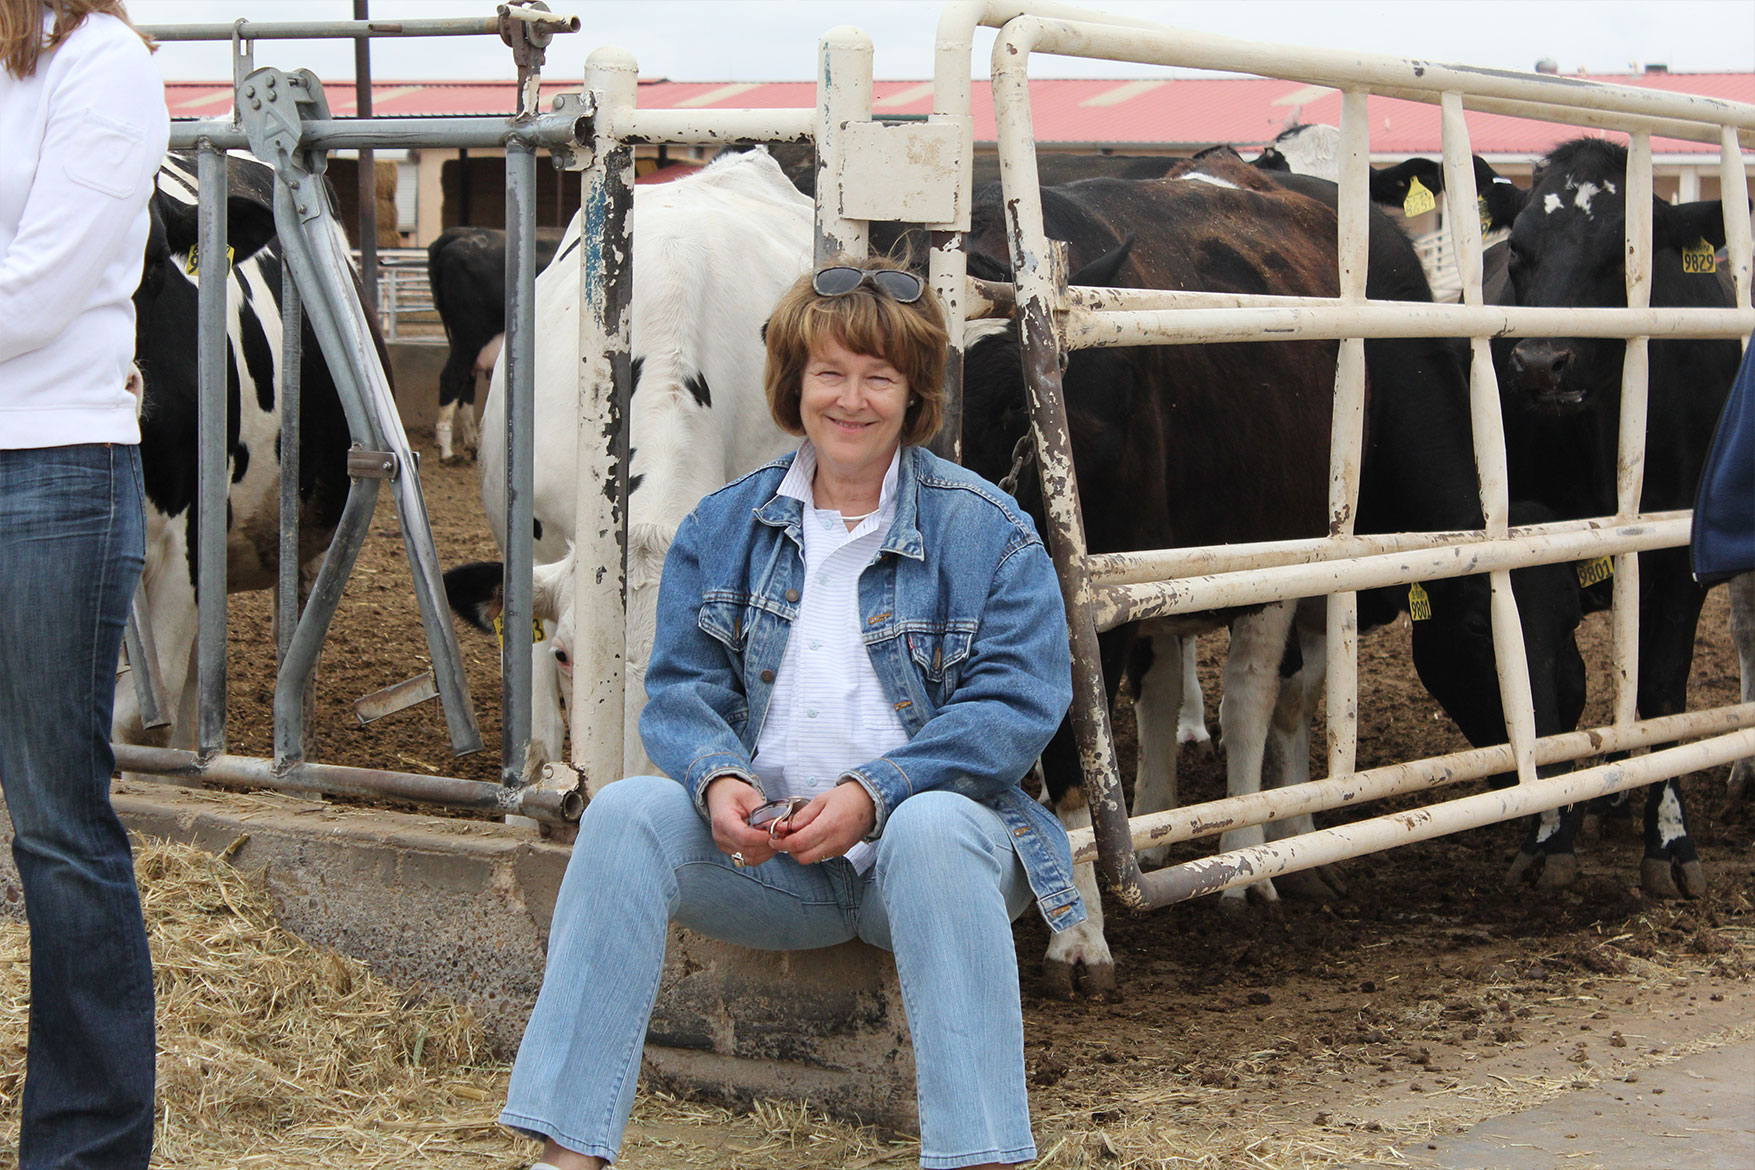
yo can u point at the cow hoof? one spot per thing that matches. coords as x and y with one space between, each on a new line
1321 884
1558 872
1524 868
1662 878
1154 858
1070 981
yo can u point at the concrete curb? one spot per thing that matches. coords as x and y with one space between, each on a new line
461 909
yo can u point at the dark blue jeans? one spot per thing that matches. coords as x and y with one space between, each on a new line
71 553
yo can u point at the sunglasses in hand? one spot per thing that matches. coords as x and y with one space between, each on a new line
776 816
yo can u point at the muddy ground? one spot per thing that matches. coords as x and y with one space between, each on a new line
1429 996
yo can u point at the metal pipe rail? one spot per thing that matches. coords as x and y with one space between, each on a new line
1050 316
556 130
1132 568
1334 320
1209 875
305 779
1209 818
1115 605
314 30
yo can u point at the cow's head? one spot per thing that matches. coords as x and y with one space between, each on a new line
1568 250
165 301
476 593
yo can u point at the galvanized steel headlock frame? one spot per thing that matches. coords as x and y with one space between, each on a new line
283 119
1107 591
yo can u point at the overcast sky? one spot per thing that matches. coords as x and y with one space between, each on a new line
775 40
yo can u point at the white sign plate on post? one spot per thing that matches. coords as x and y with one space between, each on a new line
902 172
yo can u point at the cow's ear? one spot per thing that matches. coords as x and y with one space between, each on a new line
1268 160
1501 199
985 267
1683 225
475 593
248 226
552 587
1390 186
1100 273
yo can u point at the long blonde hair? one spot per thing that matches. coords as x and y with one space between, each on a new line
21 28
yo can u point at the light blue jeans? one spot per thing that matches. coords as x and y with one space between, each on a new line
942 895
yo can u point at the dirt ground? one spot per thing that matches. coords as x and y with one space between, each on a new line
1430 996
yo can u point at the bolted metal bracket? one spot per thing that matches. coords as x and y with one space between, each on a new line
273 106
364 464
575 155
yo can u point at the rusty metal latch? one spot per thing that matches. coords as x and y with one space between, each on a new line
528 26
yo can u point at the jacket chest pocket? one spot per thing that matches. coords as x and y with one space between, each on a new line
939 653
727 622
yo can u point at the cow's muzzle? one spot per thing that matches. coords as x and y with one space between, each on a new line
1544 372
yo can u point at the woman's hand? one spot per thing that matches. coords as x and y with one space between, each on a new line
730 800
830 825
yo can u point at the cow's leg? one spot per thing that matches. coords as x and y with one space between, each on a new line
1252 684
170 604
1741 788
1082 945
468 430
1159 691
1546 857
1668 618
456 384
442 430
1286 758
1191 713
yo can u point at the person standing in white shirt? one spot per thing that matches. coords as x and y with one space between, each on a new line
83 127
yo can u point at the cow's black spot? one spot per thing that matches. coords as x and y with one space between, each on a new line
634 483
696 385
536 528
240 462
568 252
635 369
258 358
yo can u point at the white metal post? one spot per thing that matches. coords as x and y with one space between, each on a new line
598 708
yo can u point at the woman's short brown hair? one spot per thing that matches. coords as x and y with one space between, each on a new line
867 321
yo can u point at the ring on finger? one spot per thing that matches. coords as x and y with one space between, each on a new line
737 860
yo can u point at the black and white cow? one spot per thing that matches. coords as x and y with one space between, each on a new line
1561 398
1219 444
166 354
466 271
712 253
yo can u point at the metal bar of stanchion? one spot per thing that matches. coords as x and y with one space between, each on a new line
210 579
520 324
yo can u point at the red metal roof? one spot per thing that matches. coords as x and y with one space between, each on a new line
1160 113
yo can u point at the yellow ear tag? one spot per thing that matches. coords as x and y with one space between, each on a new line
536 634
1419 200
1699 257
192 262
1486 216
1419 603
1592 571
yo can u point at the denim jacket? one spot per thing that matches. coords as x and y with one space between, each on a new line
963 621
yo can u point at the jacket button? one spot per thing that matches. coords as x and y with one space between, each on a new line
767 676
792 595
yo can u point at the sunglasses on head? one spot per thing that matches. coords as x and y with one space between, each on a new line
840 279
